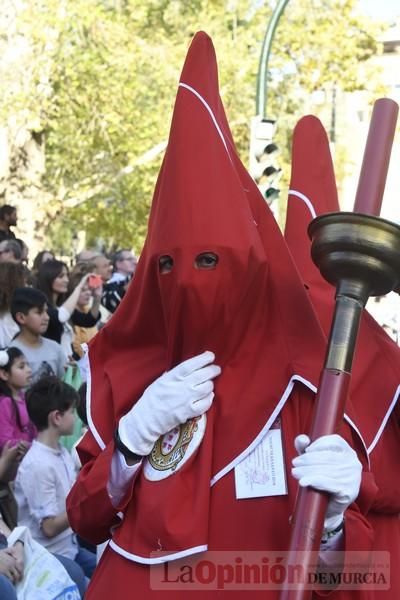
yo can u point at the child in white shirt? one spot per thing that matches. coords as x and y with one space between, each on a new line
47 472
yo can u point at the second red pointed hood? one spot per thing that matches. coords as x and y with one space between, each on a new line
376 365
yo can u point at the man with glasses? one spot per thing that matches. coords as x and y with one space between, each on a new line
124 263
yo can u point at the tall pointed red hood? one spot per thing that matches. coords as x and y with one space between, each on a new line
251 309
205 202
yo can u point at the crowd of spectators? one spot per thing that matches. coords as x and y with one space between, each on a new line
48 310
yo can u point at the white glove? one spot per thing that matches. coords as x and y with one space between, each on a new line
183 393
329 464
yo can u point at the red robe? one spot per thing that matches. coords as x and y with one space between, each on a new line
248 525
251 310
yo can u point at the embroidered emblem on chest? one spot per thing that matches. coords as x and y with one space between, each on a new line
172 450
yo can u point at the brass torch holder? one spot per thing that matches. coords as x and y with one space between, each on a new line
360 255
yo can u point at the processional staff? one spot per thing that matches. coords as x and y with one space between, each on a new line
359 253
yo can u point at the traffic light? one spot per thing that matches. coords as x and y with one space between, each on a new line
263 151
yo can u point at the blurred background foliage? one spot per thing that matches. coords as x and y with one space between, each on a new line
95 82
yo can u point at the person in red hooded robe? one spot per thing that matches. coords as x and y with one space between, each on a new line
376 368
203 379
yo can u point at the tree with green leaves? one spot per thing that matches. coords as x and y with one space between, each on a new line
101 78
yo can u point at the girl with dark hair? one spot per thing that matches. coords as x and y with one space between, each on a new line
16 430
15 426
53 280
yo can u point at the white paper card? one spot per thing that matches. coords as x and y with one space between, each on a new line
262 472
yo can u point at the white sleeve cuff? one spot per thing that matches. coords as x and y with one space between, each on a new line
63 314
121 476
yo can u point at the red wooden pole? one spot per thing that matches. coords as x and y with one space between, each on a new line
308 520
376 159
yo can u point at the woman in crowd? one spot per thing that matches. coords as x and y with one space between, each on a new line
53 281
88 302
12 557
12 275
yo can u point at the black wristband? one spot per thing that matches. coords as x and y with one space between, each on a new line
124 449
327 535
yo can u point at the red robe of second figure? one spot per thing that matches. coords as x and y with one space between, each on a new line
376 367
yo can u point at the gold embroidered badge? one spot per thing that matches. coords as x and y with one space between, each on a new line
169 450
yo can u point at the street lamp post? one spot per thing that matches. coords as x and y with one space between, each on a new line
261 99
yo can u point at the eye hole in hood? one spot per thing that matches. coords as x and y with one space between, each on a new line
206 260
165 264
